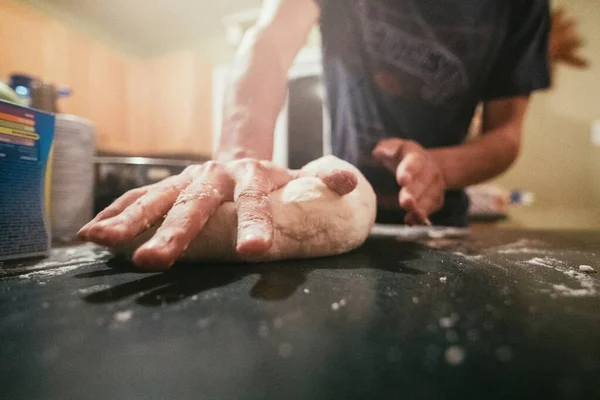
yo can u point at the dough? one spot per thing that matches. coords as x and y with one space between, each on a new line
310 220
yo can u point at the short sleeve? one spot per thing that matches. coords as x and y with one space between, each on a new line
522 65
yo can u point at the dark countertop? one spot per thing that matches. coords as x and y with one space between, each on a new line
502 314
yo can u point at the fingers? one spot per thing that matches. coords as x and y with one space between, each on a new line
193 208
415 214
389 153
419 209
255 218
409 173
141 214
114 209
432 200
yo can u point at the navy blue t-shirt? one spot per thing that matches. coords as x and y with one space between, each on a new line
416 69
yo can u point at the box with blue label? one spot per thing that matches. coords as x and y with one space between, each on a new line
25 154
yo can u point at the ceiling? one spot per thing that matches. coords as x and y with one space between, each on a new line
148 27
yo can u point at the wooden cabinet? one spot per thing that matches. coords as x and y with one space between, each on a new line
139 106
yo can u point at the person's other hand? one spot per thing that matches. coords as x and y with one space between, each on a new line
186 202
421 180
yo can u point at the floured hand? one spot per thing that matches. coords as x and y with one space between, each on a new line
243 210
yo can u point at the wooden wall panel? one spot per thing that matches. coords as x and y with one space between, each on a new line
159 105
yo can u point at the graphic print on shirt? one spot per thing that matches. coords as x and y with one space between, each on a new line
398 36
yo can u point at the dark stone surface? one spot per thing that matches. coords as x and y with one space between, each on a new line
83 326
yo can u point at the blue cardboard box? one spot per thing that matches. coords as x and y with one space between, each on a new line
25 155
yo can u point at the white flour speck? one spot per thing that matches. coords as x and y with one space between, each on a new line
335 306
454 355
443 279
263 331
449 322
586 268
415 300
342 302
123 316
91 289
307 291
285 350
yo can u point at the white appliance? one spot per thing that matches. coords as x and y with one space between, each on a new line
303 129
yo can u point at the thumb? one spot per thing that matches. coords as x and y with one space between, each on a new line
340 181
389 153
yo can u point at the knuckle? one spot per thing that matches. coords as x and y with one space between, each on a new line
252 194
405 177
252 165
210 166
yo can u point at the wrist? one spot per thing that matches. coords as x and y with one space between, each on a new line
440 162
235 153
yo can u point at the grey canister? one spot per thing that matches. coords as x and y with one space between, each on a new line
72 176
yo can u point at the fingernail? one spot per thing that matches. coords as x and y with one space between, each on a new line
428 222
253 237
154 243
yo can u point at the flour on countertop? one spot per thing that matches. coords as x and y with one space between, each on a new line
587 268
92 289
123 316
587 285
52 269
454 355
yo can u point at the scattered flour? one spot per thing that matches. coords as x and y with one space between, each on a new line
454 355
52 269
123 316
587 285
524 250
337 305
92 289
449 322
468 257
285 350
443 279
587 268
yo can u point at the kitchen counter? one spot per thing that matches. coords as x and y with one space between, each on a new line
500 314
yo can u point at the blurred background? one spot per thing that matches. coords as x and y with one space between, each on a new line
149 74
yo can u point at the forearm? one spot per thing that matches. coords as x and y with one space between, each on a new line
253 100
479 160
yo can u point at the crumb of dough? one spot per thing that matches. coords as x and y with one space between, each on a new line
587 269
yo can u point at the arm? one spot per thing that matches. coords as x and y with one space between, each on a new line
424 174
492 153
258 84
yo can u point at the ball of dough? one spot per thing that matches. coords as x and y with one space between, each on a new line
309 219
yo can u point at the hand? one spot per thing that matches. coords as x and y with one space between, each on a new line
421 181
186 202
